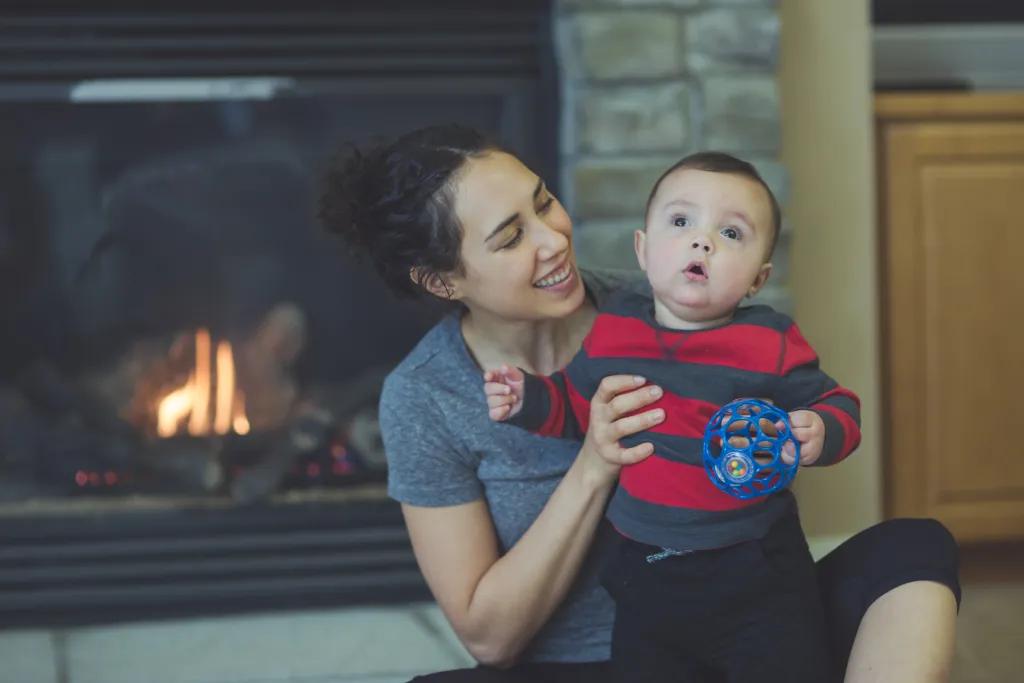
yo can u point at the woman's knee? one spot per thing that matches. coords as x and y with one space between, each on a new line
928 537
917 538
918 549
895 551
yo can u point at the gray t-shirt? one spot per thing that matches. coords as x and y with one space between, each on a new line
443 449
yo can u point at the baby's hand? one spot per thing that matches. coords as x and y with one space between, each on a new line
809 431
504 390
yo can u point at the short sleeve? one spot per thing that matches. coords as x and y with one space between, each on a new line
427 465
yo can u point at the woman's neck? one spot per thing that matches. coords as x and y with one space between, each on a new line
539 347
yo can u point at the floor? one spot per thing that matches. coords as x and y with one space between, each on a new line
990 627
356 645
390 645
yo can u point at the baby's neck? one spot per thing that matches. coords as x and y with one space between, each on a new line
666 318
539 347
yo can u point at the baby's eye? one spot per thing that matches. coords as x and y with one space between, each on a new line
681 222
731 233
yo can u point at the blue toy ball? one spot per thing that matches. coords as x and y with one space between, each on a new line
741 452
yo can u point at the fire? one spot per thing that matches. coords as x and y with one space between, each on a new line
208 402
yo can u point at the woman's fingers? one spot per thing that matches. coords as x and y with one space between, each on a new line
632 424
629 456
612 385
634 400
616 403
613 415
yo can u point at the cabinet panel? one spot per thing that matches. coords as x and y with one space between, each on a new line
952 194
972 282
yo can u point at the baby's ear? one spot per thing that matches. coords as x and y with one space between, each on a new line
639 239
434 283
760 279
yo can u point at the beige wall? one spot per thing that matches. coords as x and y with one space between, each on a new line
825 86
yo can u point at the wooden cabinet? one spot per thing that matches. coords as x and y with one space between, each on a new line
951 176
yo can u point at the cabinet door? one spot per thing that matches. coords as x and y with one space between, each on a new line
953 252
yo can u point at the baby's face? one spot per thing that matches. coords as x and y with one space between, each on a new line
705 244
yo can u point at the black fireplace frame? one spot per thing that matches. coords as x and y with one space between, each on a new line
155 562
161 564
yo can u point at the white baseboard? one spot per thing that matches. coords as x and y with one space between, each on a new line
823 545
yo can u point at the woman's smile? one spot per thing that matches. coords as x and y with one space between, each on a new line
563 275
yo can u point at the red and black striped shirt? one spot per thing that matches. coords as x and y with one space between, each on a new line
667 499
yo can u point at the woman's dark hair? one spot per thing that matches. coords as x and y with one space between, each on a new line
392 202
720 162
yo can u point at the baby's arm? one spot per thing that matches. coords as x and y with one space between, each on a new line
824 415
540 404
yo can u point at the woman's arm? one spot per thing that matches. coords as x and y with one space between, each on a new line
497 603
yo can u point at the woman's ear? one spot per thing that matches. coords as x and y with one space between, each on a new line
762 277
434 283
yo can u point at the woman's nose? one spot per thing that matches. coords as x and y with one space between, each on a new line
552 242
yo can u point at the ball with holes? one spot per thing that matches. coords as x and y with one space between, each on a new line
743 444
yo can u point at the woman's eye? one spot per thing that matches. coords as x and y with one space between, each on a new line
516 239
548 203
731 233
681 222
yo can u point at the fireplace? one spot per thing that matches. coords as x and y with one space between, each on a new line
189 371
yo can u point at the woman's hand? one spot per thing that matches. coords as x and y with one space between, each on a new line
613 416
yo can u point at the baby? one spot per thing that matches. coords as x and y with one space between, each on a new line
702 581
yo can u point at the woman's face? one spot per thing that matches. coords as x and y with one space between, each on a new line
517 243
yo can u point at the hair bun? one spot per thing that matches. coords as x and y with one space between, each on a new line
392 202
343 210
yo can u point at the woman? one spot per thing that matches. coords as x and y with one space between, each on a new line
506 526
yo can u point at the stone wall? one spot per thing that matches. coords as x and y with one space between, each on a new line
645 82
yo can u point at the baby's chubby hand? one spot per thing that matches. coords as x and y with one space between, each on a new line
809 431
504 389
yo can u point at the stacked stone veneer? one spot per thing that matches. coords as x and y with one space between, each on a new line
645 82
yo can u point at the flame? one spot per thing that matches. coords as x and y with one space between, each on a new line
212 381
225 388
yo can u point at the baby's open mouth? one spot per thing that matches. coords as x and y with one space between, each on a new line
696 271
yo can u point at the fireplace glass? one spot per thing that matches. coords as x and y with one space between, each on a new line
189 367
178 325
